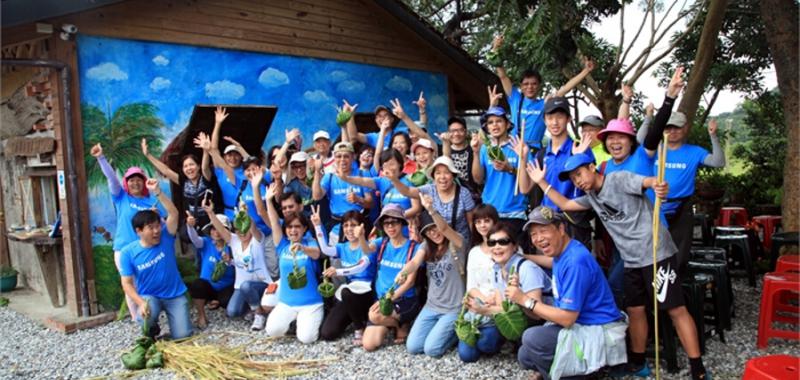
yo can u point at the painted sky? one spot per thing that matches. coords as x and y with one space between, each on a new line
174 78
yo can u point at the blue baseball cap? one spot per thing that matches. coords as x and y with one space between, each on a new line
573 163
493 111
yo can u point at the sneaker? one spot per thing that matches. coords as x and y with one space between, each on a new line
259 321
630 370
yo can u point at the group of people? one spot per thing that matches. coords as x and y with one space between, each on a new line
401 240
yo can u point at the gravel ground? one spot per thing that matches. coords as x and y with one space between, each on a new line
30 351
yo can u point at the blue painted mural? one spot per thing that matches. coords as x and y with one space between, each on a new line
163 82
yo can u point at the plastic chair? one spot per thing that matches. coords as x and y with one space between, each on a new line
772 367
708 253
788 263
778 241
742 244
732 216
769 225
774 285
701 234
721 298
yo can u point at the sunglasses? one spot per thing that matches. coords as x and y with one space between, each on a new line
503 242
391 222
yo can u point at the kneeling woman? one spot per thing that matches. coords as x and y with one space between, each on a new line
212 285
443 254
394 251
358 266
298 298
532 280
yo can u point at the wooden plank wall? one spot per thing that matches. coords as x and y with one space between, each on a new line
347 30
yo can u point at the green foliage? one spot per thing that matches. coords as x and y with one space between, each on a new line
120 135
106 277
7 271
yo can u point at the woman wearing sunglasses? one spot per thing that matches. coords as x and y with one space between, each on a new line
533 281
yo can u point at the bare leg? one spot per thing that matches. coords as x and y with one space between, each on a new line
373 337
687 331
638 328
200 306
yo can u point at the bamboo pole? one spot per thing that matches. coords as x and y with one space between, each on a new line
662 160
519 159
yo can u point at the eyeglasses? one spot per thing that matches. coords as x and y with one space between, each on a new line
299 166
503 242
391 222
296 226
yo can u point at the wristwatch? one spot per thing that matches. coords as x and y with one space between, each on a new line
530 303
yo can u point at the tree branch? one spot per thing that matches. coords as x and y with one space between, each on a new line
621 33
649 10
709 106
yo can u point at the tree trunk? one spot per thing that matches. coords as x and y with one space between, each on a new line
781 27
703 58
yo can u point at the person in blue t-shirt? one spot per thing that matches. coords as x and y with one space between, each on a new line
391 164
213 251
149 269
358 267
129 197
383 115
394 251
297 300
342 196
228 165
523 101
498 177
582 298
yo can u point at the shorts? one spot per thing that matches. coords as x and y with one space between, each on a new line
639 285
407 308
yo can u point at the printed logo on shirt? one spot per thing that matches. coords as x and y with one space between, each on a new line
392 264
662 281
139 207
151 262
674 165
345 190
609 213
438 270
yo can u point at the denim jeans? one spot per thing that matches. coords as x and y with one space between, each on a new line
432 333
616 278
248 294
489 342
177 309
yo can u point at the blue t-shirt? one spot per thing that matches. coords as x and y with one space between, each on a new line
375 211
638 162
127 206
392 262
554 161
154 269
296 186
680 173
249 200
579 285
390 194
337 189
372 138
229 190
499 186
306 295
209 257
350 257
532 113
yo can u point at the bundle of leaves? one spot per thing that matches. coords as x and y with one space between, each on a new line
495 152
511 322
297 277
326 288
241 223
386 304
343 117
219 270
144 353
418 178
467 331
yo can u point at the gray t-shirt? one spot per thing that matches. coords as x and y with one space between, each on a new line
627 214
445 283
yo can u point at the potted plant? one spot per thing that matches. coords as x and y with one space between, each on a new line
711 184
8 279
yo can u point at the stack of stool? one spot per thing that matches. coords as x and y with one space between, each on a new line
775 284
779 240
769 225
732 216
712 262
694 289
734 239
701 234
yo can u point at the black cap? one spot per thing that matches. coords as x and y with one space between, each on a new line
556 103
456 119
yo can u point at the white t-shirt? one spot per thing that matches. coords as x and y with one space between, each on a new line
480 271
249 261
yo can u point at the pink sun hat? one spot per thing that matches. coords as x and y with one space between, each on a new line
623 126
132 171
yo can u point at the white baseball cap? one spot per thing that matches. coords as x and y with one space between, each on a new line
321 135
230 148
300 156
425 143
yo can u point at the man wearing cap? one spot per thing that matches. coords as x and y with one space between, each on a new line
500 177
590 126
523 101
342 196
455 145
554 156
322 148
228 166
583 313
627 214
298 166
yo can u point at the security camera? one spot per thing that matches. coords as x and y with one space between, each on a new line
69 28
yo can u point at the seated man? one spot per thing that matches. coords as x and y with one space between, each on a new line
583 315
150 263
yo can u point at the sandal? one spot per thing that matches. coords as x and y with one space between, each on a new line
357 337
213 305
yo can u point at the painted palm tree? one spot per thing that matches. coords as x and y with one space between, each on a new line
120 134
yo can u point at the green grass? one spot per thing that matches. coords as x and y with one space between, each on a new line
107 283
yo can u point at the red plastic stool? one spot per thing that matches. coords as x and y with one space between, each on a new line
788 263
769 225
775 284
732 216
772 367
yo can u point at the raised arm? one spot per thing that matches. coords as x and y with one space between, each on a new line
452 235
588 66
352 129
423 114
205 165
238 146
255 184
359 181
325 246
274 221
317 192
191 222
477 169
656 132
625 106
291 135
208 206
220 114
114 186
213 145
494 96
717 157
160 166
410 192
384 129
172 211
649 110
397 110
525 183
505 81
537 176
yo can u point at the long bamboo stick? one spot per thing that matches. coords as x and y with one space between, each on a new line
662 160
519 159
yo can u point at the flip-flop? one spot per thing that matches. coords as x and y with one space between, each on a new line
213 305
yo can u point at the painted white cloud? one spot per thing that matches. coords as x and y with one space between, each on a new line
106 71
316 96
351 86
437 101
338 75
160 83
441 121
398 83
271 78
224 90
161 60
